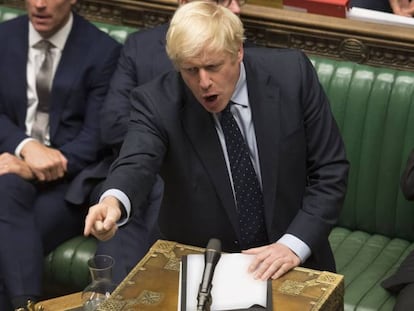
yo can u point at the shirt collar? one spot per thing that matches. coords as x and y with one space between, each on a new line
240 93
58 39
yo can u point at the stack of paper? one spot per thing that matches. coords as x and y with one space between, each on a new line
379 17
233 287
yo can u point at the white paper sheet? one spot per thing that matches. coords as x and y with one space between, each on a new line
379 17
233 287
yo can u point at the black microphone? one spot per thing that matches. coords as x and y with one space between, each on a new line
211 257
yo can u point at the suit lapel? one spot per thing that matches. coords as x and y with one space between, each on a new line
65 76
161 63
199 126
264 98
18 47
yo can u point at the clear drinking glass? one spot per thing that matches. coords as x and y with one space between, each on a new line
101 286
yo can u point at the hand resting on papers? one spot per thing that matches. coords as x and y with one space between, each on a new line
272 261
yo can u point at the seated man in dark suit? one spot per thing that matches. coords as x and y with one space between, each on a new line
402 282
143 57
53 83
245 142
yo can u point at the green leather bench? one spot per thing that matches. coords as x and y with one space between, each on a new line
374 108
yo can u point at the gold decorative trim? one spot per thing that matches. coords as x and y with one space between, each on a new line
150 298
164 247
292 288
173 264
111 305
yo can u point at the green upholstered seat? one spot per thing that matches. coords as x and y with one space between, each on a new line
119 33
374 108
9 13
66 268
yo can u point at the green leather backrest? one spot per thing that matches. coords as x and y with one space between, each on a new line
9 13
374 108
119 33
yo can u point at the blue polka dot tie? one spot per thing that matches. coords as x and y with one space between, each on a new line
249 197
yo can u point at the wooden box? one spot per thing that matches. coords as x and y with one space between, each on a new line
153 285
336 8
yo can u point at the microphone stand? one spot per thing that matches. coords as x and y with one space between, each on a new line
205 301
211 257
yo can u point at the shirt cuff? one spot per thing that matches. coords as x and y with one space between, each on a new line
20 146
123 198
300 248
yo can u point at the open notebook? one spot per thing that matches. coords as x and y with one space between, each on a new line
233 287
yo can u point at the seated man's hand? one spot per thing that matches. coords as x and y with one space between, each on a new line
102 218
272 261
10 164
47 164
402 7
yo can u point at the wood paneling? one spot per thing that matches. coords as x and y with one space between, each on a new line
338 38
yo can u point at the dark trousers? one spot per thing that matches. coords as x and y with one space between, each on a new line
405 298
34 219
401 283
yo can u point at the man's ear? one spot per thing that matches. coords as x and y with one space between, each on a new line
240 54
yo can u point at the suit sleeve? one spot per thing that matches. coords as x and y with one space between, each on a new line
116 108
407 178
326 163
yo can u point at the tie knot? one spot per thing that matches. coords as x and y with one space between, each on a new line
227 109
43 45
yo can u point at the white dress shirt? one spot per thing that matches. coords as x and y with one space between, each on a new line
35 58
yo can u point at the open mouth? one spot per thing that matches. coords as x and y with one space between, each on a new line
41 17
211 98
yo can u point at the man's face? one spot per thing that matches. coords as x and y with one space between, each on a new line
232 5
212 78
48 16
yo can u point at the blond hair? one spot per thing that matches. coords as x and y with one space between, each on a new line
200 26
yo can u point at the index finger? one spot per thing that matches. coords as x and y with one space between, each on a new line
89 222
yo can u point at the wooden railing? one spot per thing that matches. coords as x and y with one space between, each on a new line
362 42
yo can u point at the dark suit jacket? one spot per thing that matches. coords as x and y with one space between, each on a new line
78 90
407 178
143 58
303 163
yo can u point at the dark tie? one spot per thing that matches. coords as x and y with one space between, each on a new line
43 84
249 197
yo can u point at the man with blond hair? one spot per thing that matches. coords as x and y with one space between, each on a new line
245 142
143 57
